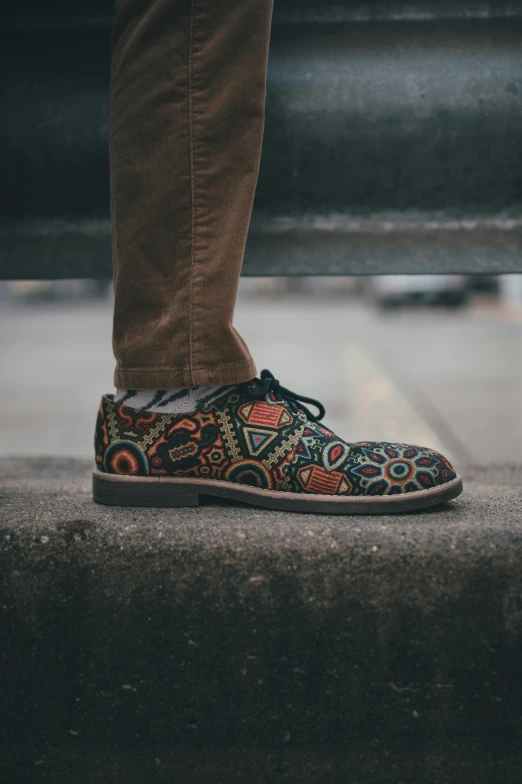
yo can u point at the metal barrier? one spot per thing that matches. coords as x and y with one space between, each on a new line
393 140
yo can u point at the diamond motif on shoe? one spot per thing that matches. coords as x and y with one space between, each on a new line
265 414
317 480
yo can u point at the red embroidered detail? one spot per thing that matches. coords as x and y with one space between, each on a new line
262 414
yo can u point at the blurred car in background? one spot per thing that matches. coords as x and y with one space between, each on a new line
389 291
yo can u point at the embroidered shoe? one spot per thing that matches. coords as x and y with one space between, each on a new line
260 444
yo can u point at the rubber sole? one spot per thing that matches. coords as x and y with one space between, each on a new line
116 490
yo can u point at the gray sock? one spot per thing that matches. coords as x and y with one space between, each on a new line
169 401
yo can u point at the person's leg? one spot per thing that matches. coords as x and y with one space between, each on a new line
187 116
186 126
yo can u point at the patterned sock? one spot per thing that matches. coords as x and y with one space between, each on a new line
170 401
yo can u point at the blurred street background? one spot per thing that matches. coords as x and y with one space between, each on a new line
434 361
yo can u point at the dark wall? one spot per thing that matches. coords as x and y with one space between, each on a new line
372 108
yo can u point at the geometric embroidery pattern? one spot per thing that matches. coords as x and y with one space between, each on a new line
257 440
261 440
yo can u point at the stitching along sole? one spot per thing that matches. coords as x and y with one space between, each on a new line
163 491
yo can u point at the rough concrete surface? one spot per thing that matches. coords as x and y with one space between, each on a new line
228 644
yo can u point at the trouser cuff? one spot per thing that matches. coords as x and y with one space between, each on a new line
183 378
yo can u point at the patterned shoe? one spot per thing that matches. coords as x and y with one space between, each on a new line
259 444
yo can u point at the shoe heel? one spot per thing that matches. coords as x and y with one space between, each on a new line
121 493
181 499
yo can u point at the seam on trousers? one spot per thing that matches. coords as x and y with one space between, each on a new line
192 184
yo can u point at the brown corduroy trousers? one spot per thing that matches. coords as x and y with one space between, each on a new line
186 126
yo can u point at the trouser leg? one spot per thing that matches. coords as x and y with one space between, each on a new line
186 125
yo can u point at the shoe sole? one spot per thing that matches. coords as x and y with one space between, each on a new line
117 490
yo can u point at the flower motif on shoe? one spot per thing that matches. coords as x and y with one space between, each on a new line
387 469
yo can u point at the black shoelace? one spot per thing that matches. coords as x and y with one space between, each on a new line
296 402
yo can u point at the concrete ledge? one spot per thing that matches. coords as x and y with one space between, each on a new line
224 643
